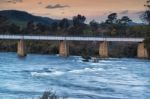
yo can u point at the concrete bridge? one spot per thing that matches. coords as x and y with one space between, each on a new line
64 48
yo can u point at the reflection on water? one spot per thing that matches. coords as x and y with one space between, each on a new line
72 77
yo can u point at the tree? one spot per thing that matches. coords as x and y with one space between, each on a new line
112 18
2 19
125 20
29 29
64 24
78 20
54 26
146 15
117 27
147 18
3 24
94 27
30 25
94 24
122 25
40 27
111 24
14 29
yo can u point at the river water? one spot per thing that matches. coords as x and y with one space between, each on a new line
112 78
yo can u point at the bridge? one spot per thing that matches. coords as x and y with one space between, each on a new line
64 48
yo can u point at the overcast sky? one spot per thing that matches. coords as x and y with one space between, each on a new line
92 9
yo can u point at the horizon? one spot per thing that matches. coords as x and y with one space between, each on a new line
93 10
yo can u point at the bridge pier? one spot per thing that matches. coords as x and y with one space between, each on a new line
142 51
63 49
103 49
21 50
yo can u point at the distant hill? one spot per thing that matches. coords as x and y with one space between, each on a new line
135 24
22 17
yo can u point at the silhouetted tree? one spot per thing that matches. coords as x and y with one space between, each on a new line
94 24
124 20
122 25
3 24
112 18
30 25
29 28
2 20
54 26
14 29
64 24
78 20
40 27
146 15
147 18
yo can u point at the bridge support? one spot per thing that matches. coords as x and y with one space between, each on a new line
21 50
63 49
142 51
103 49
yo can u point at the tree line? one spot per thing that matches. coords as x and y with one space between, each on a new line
147 19
112 26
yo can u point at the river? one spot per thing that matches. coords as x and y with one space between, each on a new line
113 78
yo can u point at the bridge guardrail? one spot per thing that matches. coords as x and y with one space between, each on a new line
73 38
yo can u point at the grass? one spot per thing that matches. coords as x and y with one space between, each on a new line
45 95
51 95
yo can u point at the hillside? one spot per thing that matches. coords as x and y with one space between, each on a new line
22 17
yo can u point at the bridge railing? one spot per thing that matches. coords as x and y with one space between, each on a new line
104 36
75 35
73 38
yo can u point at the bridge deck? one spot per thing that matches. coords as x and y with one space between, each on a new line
69 38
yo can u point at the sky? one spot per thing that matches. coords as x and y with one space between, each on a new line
92 9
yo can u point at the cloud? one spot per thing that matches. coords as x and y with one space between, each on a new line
39 3
56 6
135 12
124 12
11 1
139 12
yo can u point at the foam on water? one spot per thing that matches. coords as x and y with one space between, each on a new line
53 72
56 73
86 70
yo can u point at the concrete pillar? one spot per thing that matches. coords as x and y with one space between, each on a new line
142 51
103 49
63 49
21 50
